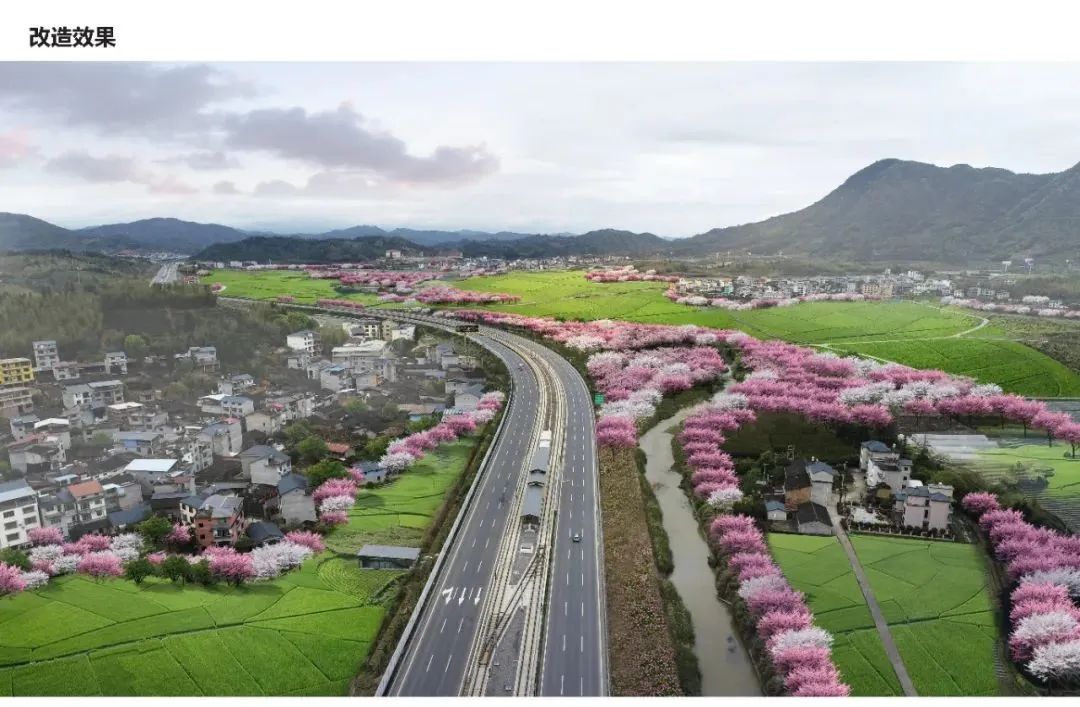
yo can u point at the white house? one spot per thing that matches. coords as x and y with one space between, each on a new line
894 473
18 513
873 449
116 362
821 482
305 340
46 355
927 509
294 504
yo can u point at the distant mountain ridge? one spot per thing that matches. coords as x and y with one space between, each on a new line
891 210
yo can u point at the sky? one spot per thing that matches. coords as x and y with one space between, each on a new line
669 148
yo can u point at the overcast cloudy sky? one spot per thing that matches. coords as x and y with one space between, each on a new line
674 149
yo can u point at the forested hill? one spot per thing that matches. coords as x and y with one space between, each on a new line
898 210
292 249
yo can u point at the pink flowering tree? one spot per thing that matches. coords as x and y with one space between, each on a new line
46 536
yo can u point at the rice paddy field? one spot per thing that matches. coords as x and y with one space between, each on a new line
914 334
306 633
933 595
400 512
1033 460
818 567
935 598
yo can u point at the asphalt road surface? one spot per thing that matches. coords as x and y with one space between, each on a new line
435 661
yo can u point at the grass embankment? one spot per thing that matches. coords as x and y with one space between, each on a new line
642 656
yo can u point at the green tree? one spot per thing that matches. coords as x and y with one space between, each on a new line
312 449
200 572
138 570
355 406
326 469
176 569
332 336
153 530
18 558
297 432
135 346
376 447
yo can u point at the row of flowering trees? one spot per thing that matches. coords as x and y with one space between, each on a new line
440 294
1045 568
790 378
628 274
762 302
634 382
798 650
334 497
346 304
1037 307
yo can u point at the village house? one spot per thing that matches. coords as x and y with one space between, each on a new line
22 426
18 513
813 519
116 362
46 355
145 444
236 384
14 371
797 487
219 520
292 503
468 398
75 505
35 455
893 473
822 477
16 401
775 510
926 507
265 465
94 395
306 340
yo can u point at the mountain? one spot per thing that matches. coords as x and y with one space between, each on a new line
293 249
423 237
22 232
603 242
167 234
900 210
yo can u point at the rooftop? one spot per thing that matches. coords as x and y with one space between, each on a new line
392 552
10 490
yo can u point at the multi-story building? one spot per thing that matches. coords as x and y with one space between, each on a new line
99 394
219 521
234 385
237 405
74 505
265 465
46 355
145 444
22 426
223 438
927 507
66 371
18 513
367 328
16 371
204 357
36 454
116 362
306 340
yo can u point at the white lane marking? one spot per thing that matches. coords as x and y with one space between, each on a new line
581 685
473 543
568 579
478 593
583 579
462 597
448 594
564 605
479 567
460 623
448 662
564 642
582 608
581 643
465 567
443 626
486 543
561 679
429 662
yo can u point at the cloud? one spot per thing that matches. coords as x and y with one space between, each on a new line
225 188
14 148
719 136
131 97
334 184
341 140
114 169
208 160
276 187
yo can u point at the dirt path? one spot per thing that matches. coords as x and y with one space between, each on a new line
891 650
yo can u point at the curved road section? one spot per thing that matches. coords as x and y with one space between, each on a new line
573 658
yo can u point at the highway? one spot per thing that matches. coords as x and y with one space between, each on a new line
436 658
573 656
167 273
575 646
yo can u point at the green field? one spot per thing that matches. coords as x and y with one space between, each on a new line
271 283
1039 459
935 598
398 513
915 334
818 567
305 633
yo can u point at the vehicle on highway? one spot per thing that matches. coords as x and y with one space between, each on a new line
577 537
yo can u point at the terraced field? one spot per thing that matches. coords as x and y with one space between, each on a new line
306 633
398 513
934 596
818 567
1062 493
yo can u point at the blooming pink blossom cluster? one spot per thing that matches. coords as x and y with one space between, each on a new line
1046 566
179 535
628 274
633 383
94 555
702 435
310 540
285 299
440 294
45 536
346 304
229 565
799 650
1030 308
402 453
387 279
762 302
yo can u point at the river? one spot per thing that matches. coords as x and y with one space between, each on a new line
725 666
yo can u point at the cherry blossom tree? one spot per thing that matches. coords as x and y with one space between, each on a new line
45 536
